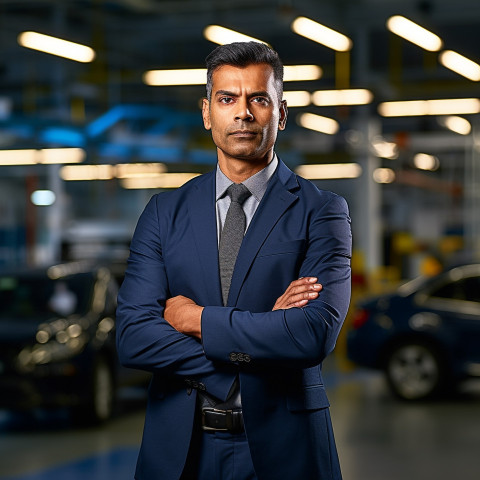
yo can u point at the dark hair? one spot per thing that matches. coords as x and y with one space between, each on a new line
243 54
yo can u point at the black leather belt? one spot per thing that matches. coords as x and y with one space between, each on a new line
215 420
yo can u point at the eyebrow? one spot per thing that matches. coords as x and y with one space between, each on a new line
261 93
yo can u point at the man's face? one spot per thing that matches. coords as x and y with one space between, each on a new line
244 112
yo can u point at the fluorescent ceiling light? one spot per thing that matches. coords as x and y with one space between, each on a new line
383 175
424 161
460 64
456 124
299 98
329 171
139 170
296 73
184 76
354 96
222 35
131 175
56 46
43 198
384 149
405 28
321 34
42 156
318 123
62 155
165 180
87 172
18 157
198 76
430 107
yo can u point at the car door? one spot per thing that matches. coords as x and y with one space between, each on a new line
457 303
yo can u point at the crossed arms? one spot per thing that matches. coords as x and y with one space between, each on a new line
160 333
185 315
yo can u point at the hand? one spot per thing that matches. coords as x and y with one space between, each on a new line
184 315
298 293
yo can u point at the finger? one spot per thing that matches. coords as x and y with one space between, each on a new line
296 288
303 281
297 300
303 296
298 304
299 283
309 287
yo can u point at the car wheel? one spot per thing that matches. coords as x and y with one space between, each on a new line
103 391
101 400
414 371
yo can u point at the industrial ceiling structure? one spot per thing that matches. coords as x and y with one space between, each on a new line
105 108
131 37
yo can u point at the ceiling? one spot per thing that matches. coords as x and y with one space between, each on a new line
42 96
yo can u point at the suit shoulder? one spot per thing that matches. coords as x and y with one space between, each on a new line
314 194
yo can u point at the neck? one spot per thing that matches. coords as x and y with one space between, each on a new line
238 170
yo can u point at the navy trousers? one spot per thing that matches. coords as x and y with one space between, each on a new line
219 456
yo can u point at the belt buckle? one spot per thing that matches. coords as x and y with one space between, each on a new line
215 412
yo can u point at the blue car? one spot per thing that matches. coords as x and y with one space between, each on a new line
425 336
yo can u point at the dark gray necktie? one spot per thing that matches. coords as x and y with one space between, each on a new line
232 235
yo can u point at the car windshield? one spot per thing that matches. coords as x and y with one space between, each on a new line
40 297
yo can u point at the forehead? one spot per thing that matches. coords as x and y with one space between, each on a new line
254 77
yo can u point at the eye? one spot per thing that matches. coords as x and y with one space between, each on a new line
226 100
261 100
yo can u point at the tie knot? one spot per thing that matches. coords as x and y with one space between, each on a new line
238 192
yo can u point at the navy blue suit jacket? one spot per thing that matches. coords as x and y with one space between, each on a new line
297 231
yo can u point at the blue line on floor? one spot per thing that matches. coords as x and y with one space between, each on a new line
114 465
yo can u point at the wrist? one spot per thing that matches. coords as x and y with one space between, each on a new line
196 323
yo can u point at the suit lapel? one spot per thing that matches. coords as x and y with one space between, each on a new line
201 208
276 201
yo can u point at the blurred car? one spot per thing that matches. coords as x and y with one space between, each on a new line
57 345
425 336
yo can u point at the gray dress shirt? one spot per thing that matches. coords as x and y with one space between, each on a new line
257 184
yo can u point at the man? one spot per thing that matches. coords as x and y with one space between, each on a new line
235 340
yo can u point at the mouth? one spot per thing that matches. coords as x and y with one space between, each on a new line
243 133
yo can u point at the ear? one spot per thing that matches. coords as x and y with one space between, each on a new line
282 122
206 114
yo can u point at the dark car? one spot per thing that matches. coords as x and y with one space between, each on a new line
57 345
425 336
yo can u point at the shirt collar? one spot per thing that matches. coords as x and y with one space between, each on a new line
257 184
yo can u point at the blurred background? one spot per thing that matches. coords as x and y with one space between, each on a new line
100 109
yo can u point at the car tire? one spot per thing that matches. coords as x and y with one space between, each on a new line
102 395
414 371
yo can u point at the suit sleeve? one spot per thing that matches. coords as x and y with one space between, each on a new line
145 340
296 336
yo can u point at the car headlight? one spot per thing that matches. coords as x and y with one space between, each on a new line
56 341
424 321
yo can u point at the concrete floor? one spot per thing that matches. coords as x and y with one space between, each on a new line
381 438
378 438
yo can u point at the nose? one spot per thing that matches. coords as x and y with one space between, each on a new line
243 112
